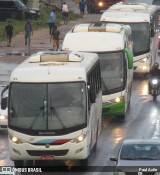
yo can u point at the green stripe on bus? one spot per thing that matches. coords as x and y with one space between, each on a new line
114 108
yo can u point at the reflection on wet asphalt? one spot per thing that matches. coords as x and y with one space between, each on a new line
4 156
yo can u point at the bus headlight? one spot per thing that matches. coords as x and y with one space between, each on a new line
117 100
100 4
79 138
143 60
3 117
144 67
15 139
154 81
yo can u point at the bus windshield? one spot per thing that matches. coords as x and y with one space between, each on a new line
141 38
112 72
57 107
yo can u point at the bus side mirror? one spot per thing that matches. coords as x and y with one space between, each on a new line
4 103
130 58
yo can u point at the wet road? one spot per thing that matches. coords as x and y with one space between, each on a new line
143 121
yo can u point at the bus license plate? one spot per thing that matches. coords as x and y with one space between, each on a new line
47 157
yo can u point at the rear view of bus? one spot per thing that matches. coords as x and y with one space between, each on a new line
55 107
143 20
113 44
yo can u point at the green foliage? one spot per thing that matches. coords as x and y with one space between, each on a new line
38 24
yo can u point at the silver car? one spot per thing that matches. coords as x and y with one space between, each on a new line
138 157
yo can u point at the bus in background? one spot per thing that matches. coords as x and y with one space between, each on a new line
54 107
113 44
95 6
143 20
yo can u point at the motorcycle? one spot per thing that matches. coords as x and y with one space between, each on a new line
154 87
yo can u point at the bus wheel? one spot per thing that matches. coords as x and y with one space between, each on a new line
95 145
154 97
18 163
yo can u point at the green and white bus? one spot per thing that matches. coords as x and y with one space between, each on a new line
113 44
54 107
143 20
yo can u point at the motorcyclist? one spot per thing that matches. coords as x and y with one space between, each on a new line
154 72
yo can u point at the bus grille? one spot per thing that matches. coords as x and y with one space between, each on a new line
52 152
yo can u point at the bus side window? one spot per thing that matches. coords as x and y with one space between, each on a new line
94 83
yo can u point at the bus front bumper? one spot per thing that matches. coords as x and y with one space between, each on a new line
114 108
27 151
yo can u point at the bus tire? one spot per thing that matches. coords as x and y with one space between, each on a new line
129 103
95 145
18 163
154 97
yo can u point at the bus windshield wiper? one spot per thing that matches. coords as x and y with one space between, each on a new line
57 116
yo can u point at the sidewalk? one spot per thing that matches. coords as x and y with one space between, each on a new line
40 41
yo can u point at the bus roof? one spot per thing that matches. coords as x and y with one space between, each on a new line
54 67
129 12
122 16
93 38
134 7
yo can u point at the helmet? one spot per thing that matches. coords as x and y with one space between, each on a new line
156 65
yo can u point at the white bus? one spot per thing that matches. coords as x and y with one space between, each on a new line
54 107
113 44
143 20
